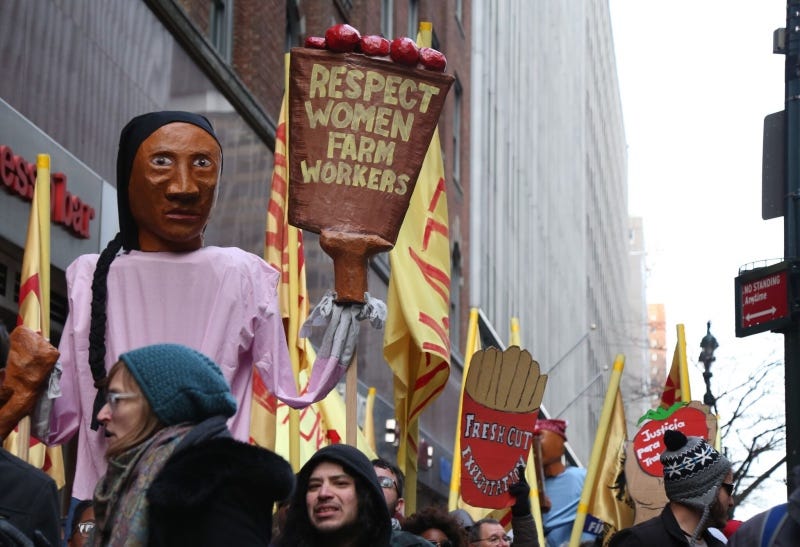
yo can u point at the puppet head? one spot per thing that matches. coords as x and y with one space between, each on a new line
147 129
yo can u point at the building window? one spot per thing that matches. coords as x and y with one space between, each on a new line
387 18
221 27
455 296
293 29
413 17
457 96
345 6
459 11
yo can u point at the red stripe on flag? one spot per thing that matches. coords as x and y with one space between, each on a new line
30 285
431 274
422 404
432 226
440 330
440 190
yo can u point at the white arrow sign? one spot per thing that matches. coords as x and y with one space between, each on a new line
756 315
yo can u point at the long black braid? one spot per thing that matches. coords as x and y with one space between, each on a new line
97 327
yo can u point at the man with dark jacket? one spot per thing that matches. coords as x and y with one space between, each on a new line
697 481
28 500
338 502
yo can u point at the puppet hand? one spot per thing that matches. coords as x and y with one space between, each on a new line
30 360
521 490
345 333
339 325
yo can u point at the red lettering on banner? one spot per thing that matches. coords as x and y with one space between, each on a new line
18 177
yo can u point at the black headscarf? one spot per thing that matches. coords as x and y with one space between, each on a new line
133 135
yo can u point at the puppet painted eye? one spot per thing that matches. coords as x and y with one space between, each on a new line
203 162
162 160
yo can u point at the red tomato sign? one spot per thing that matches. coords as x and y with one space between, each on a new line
649 441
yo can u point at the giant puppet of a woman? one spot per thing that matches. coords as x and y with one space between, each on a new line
165 286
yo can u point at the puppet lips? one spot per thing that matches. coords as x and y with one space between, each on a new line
183 215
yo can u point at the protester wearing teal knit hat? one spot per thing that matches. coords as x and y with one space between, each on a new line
181 384
175 475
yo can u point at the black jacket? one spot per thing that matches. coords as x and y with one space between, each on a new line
217 492
28 499
660 531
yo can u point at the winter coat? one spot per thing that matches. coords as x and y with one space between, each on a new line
218 492
28 499
660 531
524 528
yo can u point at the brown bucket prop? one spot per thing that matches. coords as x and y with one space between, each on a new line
359 130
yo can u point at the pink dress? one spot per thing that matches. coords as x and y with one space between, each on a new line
222 302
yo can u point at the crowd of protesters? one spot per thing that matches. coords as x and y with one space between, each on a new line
176 476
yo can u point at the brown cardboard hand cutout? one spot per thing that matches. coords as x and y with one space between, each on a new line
502 395
30 361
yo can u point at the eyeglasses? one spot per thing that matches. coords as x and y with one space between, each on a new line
728 486
495 540
114 398
387 482
85 527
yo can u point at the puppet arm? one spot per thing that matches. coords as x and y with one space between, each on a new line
31 358
334 330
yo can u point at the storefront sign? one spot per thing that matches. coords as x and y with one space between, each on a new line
18 176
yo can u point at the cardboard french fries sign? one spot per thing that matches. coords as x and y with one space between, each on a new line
502 395
643 469
359 130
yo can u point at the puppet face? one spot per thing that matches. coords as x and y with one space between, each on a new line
172 187
552 447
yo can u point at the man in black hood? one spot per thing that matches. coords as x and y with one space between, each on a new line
338 502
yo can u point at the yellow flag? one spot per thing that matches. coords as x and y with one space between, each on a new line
676 388
604 453
283 250
34 313
417 335
610 506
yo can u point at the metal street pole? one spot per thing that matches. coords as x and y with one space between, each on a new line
708 344
791 234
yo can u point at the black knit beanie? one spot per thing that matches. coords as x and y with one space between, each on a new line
693 470
133 135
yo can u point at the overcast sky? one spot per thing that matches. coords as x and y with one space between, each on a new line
697 78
